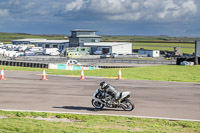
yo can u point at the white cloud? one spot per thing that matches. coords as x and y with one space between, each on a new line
29 5
113 6
125 16
122 10
151 3
108 6
172 10
134 10
74 5
4 12
189 7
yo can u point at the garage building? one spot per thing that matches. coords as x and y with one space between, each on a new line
149 53
25 41
110 47
44 43
60 44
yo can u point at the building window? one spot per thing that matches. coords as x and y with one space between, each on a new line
55 46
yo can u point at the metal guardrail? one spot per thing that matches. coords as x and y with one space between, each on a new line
127 61
45 65
45 59
39 62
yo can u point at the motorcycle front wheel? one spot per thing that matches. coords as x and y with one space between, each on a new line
127 105
97 104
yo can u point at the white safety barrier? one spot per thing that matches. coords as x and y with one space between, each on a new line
69 67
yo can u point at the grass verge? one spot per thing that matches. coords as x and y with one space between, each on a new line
159 73
18 122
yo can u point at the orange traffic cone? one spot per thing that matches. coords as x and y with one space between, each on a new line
44 77
82 74
2 74
120 74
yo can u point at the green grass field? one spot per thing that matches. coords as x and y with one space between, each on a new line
159 73
149 38
183 50
165 46
21 122
192 45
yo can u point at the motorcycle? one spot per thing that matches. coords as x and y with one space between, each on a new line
101 99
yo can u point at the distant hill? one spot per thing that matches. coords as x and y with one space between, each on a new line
7 37
151 39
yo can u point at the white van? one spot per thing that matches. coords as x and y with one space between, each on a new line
50 51
1 45
2 51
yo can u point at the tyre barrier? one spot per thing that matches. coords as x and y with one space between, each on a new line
23 64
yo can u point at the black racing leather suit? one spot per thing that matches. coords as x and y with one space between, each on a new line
112 91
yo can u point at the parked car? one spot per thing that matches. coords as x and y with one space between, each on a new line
73 62
109 55
97 52
29 53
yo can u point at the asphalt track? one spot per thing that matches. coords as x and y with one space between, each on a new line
25 91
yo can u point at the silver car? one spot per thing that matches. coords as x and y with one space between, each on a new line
109 55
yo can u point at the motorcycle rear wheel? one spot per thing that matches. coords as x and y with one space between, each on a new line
129 105
97 104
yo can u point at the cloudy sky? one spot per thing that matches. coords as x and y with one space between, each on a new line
109 17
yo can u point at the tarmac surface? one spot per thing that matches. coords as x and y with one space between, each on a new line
25 91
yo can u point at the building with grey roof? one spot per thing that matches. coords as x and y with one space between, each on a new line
25 41
60 44
79 37
88 38
110 47
44 43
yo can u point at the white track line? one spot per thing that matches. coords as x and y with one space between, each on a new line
146 117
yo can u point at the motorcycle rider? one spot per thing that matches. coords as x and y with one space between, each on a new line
110 90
